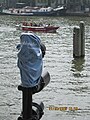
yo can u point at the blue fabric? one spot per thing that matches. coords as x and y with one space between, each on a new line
30 59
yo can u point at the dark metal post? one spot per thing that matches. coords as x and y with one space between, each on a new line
27 104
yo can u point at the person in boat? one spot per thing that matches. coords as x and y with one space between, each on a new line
35 24
18 11
25 23
40 24
47 25
30 60
31 24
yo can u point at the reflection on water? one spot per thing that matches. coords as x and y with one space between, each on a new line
70 78
77 66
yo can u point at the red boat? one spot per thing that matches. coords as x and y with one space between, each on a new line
46 29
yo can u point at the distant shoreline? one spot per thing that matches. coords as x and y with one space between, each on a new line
78 14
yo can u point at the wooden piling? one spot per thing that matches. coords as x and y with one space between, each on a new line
82 30
79 41
76 42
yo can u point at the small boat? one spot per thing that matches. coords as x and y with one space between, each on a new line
46 29
36 28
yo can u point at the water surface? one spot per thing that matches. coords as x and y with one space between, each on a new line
70 78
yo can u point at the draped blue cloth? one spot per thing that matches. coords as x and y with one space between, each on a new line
30 59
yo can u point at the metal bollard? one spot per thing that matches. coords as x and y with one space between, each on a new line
31 110
26 103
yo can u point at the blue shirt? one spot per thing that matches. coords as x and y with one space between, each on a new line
30 59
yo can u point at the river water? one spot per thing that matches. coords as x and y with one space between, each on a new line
70 78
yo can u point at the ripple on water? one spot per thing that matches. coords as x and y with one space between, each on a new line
70 83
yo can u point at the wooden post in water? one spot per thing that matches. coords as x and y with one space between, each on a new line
79 41
76 42
82 30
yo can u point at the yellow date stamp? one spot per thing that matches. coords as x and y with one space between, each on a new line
63 108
